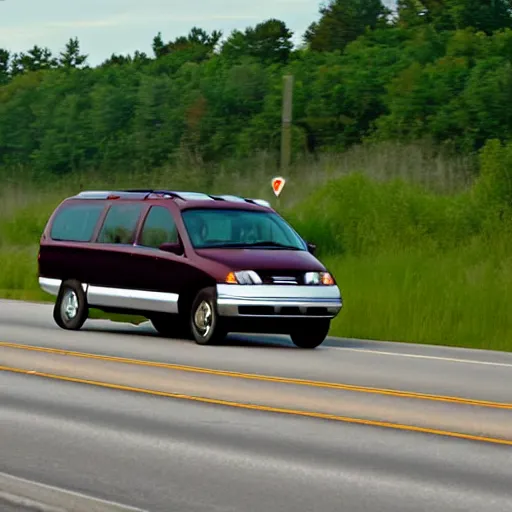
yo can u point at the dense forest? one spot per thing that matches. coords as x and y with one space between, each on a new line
435 70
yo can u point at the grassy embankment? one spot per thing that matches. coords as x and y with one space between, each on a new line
420 254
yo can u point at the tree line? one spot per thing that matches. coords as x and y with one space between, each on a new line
436 70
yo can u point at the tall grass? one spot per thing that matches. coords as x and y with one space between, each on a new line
420 247
414 265
460 297
414 163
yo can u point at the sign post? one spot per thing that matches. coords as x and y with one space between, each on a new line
287 112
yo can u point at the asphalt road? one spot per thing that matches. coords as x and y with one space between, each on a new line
163 453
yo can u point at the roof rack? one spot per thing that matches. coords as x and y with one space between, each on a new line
166 194
227 197
260 202
109 194
238 199
138 193
184 195
191 196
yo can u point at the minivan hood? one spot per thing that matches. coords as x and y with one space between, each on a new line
263 259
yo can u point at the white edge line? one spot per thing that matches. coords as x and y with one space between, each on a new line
20 491
420 356
20 501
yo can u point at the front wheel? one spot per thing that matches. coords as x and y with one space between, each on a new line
206 325
71 309
311 334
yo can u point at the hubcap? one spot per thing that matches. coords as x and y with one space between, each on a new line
203 318
70 305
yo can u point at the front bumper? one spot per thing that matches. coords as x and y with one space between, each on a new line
278 301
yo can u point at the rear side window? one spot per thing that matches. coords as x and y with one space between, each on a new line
120 224
159 228
76 222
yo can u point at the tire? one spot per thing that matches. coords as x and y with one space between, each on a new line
311 334
209 330
171 326
71 309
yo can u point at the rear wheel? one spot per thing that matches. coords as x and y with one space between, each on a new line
311 334
71 309
206 325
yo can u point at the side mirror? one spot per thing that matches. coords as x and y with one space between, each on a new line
173 248
311 248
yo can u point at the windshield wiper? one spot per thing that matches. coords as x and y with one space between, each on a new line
272 244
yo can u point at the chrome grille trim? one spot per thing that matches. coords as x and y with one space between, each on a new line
284 280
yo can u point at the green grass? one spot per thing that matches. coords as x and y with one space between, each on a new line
460 299
414 265
419 257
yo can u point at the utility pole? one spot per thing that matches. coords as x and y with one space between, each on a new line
286 133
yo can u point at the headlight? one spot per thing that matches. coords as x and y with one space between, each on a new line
319 278
243 277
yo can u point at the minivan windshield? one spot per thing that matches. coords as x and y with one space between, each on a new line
233 228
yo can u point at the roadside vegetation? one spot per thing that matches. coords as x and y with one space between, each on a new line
401 169
414 263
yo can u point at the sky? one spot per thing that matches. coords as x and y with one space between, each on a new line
104 27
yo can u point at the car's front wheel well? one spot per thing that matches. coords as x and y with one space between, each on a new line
187 297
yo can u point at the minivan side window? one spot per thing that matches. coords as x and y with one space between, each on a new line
159 228
76 222
120 224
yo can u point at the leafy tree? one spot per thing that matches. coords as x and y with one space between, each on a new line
197 39
18 114
199 36
71 56
343 21
412 13
269 42
417 78
117 60
35 59
483 15
158 45
138 59
5 58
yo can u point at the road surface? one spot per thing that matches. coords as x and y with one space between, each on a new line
119 414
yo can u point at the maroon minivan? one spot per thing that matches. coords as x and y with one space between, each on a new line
197 266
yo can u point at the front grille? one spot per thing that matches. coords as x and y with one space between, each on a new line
283 280
287 278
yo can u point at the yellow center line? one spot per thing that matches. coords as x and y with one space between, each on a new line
264 378
263 408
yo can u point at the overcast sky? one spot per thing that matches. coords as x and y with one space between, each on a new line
123 26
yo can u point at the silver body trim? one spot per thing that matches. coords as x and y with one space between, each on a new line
51 286
99 296
229 299
158 302
231 296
